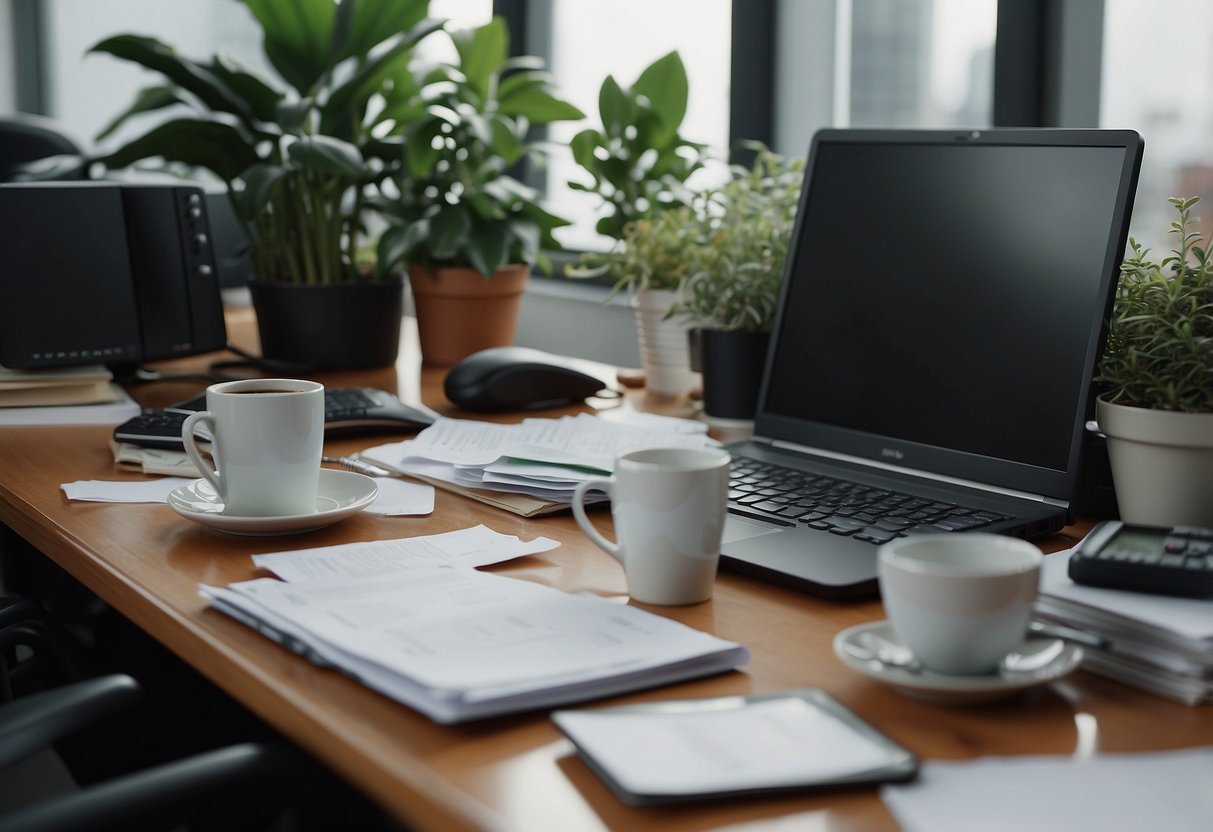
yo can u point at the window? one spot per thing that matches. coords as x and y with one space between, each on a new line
1153 81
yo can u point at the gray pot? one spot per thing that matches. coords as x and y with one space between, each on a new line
1162 464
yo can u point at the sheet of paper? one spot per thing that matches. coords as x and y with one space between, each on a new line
1189 617
397 497
109 491
1168 790
468 632
155 460
477 546
766 744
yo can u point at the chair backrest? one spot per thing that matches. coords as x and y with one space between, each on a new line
26 138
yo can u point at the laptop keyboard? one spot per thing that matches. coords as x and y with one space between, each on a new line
876 515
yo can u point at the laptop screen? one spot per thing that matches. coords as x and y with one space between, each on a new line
944 297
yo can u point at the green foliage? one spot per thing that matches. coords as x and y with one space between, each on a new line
655 252
746 229
459 204
300 151
637 161
1160 344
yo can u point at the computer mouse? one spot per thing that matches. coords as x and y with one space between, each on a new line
517 378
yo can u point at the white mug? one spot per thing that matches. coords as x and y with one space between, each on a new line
960 602
268 434
669 509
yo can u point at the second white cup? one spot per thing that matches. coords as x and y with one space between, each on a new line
669 510
268 435
960 602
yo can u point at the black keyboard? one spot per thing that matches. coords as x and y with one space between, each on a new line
345 409
789 496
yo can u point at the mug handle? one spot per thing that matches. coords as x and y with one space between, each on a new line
602 484
191 450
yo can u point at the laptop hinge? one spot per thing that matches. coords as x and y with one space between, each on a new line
911 472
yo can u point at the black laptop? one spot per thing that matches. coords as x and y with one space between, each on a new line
942 310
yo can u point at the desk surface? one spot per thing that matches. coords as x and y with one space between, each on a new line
515 772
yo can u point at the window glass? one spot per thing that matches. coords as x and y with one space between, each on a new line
918 63
591 39
1154 82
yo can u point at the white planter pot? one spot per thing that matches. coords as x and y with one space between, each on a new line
1162 464
663 344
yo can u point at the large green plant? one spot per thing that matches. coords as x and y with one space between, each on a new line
459 204
1159 352
746 226
297 152
638 162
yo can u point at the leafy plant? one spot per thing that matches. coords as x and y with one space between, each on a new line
299 152
459 204
655 252
638 162
1159 352
746 230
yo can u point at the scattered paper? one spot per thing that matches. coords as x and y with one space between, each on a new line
397 497
108 491
162 461
477 546
1110 793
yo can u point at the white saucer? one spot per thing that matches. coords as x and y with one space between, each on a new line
938 687
339 495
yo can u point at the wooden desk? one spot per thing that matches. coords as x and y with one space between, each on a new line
517 772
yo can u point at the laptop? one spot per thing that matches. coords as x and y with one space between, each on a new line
940 318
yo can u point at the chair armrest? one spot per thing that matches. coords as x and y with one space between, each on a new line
36 721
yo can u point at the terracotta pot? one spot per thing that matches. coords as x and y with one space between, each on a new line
343 326
459 312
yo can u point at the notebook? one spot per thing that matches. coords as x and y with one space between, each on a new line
941 314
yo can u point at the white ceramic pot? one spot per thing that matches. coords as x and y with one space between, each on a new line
1162 464
663 344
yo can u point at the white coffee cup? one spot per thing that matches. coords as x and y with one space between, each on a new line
669 509
268 434
960 602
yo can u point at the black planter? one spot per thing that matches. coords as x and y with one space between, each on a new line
731 363
348 326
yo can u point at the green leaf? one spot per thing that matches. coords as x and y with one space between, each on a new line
398 243
260 182
420 153
449 229
482 51
298 38
262 99
614 107
347 104
505 142
329 156
538 106
148 100
664 84
190 76
220 148
486 249
374 21
583 146
292 115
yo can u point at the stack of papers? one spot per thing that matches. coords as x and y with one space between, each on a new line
539 460
63 396
1157 643
413 620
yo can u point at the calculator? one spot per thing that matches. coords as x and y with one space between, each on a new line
1168 560
346 409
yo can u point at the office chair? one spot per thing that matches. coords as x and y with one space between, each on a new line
25 139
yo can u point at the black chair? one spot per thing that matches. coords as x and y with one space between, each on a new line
25 139
248 785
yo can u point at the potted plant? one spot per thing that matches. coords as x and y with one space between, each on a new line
1157 367
733 284
467 228
298 154
638 163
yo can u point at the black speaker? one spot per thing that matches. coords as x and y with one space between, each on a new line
105 273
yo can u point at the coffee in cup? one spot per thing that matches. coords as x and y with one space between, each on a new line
669 510
268 435
960 602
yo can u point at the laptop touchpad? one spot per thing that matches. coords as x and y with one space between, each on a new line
739 528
